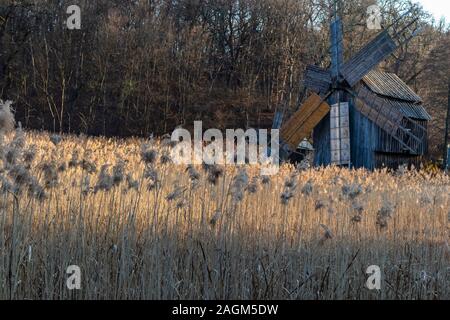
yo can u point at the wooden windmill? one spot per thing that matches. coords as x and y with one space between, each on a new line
360 117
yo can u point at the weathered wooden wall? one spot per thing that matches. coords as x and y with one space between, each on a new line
390 160
371 147
321 138
363 138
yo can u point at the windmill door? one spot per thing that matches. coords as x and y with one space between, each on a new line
340 134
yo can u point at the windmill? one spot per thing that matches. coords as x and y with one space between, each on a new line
360 117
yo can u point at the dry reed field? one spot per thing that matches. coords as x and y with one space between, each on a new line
140 227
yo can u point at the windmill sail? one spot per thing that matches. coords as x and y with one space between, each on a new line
317 79
367 58
397 34
337 49
303 121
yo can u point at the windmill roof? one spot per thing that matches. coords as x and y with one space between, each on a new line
390 85
396 93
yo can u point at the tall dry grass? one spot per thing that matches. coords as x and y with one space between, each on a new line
141 227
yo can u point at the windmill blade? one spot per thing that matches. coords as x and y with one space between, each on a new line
300 125
317 79
390 119
368 57
397 34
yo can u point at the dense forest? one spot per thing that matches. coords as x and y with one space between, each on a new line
138 67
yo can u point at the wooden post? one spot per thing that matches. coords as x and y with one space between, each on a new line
447 127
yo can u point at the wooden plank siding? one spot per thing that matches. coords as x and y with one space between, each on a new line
393 161
322 143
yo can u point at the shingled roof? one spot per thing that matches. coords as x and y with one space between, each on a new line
397 93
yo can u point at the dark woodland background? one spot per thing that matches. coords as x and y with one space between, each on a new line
138 67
